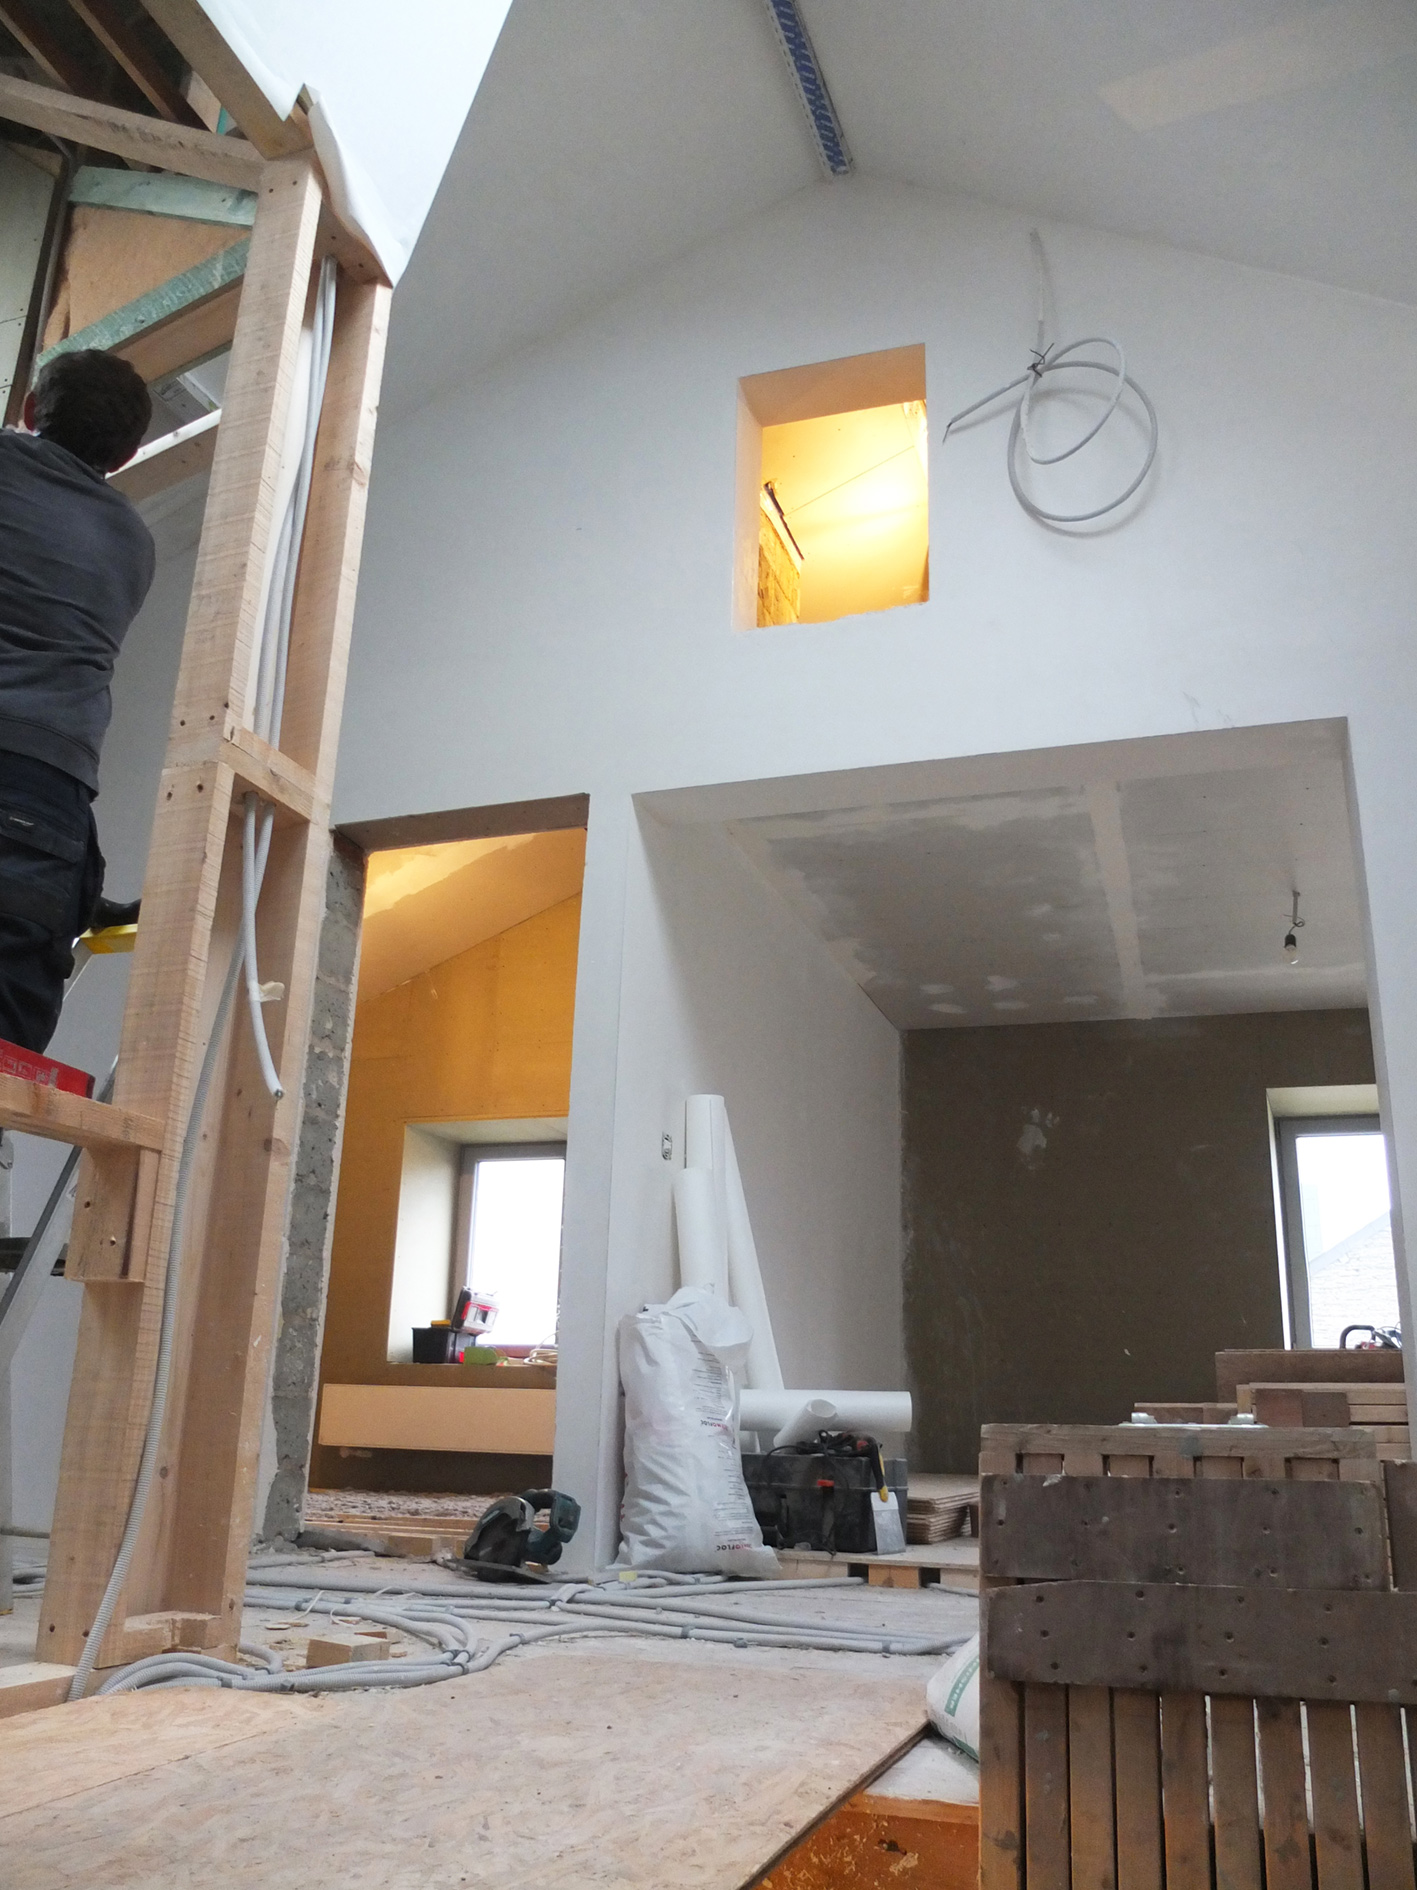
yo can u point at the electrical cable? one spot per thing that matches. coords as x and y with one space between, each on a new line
162 1376
603 1607
1055 359
274 659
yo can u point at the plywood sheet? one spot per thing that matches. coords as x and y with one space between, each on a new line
646 1768
49 1757
436 1417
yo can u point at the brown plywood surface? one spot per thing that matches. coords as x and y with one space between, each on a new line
50 1757
648 1766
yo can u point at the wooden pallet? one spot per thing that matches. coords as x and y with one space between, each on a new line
1139 1648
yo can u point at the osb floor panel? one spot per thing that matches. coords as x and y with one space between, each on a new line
649 1767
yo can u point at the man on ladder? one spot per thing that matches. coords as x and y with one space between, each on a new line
76 562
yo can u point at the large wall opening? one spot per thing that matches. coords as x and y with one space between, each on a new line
1084 953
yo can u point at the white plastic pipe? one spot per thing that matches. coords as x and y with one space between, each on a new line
879 1413
817 1414
703 1239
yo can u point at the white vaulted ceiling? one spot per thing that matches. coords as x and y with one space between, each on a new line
610 136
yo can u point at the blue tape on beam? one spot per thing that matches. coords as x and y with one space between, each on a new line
811 86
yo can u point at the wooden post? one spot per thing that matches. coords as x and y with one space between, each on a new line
191 1554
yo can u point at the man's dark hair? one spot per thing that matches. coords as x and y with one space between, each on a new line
94 404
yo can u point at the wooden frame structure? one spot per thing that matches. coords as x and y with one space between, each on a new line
187 1576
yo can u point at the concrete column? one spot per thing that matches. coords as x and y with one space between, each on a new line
295 1370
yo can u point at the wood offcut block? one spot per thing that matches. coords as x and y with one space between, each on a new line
1299 1405
881 1576
147 1634
335 1650
33 1683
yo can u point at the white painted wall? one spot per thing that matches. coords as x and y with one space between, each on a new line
724 991
546 599
423 1240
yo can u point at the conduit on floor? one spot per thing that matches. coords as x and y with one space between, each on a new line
449 1620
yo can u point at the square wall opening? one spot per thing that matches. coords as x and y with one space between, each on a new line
833 501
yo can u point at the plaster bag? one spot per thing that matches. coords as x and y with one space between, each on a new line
686 1505
952 1698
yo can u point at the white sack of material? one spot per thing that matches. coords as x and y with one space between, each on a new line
952 1699
686 1505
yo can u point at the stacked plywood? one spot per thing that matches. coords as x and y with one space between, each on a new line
938 1505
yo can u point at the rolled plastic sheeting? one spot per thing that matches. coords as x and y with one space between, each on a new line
878 1413
708 1140
706 1134
703 1239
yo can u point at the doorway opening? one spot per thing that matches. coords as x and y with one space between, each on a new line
452 1165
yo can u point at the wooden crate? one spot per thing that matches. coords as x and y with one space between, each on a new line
1157 1657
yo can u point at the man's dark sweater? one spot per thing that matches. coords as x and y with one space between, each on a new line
75 565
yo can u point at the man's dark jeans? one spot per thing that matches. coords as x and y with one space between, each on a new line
51 875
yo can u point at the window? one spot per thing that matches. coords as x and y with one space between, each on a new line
834 489
509 1238
1337 1226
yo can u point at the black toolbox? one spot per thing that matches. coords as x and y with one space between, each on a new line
816 1501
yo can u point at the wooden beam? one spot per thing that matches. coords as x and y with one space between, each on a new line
210 1508
179 455
274 776
208 54
193 334
123 45
163 194
177 965
58 1116
130 135
51 55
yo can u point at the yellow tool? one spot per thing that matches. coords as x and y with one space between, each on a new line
112 938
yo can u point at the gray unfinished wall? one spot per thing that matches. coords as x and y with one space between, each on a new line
1089 1212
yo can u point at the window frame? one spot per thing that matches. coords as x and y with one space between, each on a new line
470 1154
1287 1130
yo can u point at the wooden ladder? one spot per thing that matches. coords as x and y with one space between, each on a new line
187 1576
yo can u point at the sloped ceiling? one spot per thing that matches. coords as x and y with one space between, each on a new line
613 135
424 905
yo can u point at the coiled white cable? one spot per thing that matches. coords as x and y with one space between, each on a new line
1056 359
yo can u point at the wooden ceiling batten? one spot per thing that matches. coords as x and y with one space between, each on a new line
208 54
43 46
123 45
131 135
